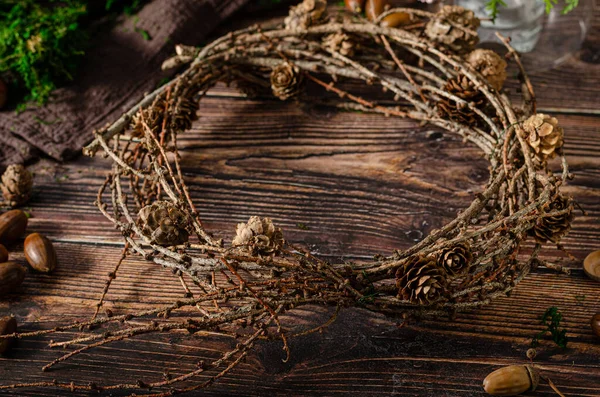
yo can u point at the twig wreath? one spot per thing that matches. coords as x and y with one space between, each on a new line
430 68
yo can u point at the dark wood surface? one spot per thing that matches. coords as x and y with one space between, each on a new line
361 184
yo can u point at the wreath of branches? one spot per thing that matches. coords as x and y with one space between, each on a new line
465 264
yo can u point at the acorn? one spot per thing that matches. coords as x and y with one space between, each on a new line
8 325
11 277
395 19
591 265
12 226
3 254
40 253
374 8
596 324
511 380
356 6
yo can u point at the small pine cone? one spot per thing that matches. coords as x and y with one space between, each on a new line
339 42
16 185
440 29
455 260
186 111
461 87
260 235
305 14
152 116
553 228
544 135
490 65
164 224
286 81
420 280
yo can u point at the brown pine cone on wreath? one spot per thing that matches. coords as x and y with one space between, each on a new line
490 65
16 185
455 28
553 228
456 260
544 135
260 235
164 224
305 14
461 87
420 280
286 81
339 42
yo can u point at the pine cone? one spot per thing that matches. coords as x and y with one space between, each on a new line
462 87
544 135
259 235
286 81
420 280
305 14
490 65
16 185
163 223
553 228
440 29
455 260
339 42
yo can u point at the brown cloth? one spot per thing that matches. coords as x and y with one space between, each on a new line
118 68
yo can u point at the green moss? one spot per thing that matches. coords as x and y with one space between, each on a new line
42 43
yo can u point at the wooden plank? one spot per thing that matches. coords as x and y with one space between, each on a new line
362 184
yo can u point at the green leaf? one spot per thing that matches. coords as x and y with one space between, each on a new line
492 8
569 6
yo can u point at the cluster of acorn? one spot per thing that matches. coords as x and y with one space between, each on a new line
39 251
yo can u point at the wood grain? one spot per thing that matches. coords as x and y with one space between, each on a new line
347 186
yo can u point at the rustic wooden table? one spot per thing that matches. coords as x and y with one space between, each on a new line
346 185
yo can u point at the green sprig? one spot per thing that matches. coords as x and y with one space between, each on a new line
551 319
493 6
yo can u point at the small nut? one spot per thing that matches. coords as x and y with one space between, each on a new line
3 254
596 324
374 7
531 353
11 277
511 380
40 253
8 325
395 19
12 226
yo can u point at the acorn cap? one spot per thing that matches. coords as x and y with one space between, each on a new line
534 376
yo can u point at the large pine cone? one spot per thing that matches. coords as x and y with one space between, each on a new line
420 280
305 14
286 81
455 260
164 224
16 185
440 28
544 135
462 87
490 65
259 235
553 228
339 42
